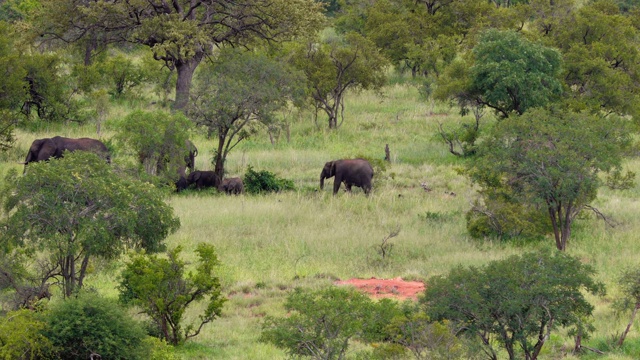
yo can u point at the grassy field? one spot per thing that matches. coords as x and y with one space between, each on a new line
271 244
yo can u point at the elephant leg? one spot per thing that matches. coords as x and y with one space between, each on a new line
347 186
336 184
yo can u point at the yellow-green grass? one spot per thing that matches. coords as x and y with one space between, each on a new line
270 244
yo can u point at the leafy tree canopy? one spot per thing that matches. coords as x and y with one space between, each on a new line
68 211
511 74
180 33
600 47
550 160
516 302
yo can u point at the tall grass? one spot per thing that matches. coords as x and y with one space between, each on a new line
270 244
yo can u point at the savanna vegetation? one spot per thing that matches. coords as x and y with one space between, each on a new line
503 136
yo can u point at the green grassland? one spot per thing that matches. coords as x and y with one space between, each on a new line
273 243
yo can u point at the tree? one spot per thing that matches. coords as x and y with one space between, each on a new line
321 322
12 86
239 92
516 302
89 326
600 47
157 140
629 282
511 74
550 160
336 65
162 290
68 211
180 33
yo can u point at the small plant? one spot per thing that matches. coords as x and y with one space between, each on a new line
385 246
257 182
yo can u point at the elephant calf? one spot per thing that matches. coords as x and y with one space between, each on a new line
203 179
351 172
232 186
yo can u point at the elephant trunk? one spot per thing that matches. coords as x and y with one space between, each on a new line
322 177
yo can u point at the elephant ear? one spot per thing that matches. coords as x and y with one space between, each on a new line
333 168
196 175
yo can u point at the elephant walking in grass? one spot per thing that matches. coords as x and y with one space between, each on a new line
232 186
203 179
44 149
351 172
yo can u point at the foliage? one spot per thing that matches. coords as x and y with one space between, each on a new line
263 181
512 74
338 64
321 323
516 302
239 92
601 58
156 139
164 292
67 211
182 34
12 86
21 336
629 282
550 160
88 325
426 339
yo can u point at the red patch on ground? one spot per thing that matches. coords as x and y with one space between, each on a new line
386 288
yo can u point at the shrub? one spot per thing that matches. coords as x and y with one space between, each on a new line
323 322
159 286
21 336
89 324
257 182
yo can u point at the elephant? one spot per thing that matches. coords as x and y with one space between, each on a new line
190 158
203 179
232 186
351 172
182 183
44 149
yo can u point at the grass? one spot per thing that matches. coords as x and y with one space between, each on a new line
271 244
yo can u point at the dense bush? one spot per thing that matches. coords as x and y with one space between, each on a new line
88 325
257 182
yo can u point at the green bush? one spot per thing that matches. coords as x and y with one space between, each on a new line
321 323
257 182
90 324
21 336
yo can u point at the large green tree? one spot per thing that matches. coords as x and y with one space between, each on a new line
516 302
550 161
239 92
181 33
68 211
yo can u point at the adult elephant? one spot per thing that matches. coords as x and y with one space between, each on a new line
44 149
351 172
203 179
232 186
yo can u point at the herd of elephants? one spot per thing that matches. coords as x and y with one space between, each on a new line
351 172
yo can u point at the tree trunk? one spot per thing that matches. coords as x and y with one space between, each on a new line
626 331
185 69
